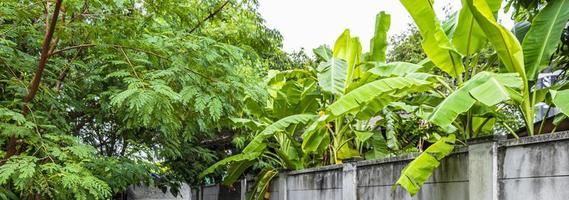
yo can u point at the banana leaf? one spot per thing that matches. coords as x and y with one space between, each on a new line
543 36
363 95
316 136
507 46
485 87
378 43
468 38
561 100
323 53
262 184
332 76
436 43
419 170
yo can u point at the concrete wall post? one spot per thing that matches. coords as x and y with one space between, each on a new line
283 190
349 181
483 169
243 189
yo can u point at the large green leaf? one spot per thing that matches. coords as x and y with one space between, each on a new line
315 136
295 96
348 49
508 49
283 123
346 152
363 95
542 38
354 71
362 136
290 160
483 125
379 70
561 100
275 76
449 24
485 87
419 170
435 43
394 69
262 184
238 163
507 46
323 53
235 170
332 76
242 157
468 37
378 44
379 148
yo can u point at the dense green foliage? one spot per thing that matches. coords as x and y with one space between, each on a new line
97 95
129 89
473 72
320 115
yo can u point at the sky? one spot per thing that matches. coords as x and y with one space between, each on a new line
311 23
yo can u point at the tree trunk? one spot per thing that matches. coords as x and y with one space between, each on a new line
11 146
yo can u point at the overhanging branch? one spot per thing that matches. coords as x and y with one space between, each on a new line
210 16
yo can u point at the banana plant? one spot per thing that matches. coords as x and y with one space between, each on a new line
474 99
358 88
538 45
292 104
321 115
275 146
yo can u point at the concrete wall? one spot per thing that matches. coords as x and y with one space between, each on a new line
322 183
487 169
152 193
449 181
535 168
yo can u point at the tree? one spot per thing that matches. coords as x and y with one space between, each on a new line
126 84
406 46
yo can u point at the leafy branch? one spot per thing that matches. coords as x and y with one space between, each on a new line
12 142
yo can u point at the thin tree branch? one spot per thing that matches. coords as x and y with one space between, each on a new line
44 55
63 74
211 15
129 63
12 142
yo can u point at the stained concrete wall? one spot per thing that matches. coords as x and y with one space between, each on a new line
449 181
535 168
274 189
487 169
321 183
153 193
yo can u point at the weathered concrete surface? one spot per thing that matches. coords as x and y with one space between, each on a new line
210 192
325 184
349 181
275 188
535 168
449 181
152 193
483 171
532 168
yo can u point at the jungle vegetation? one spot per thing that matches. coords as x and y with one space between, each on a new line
97 95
